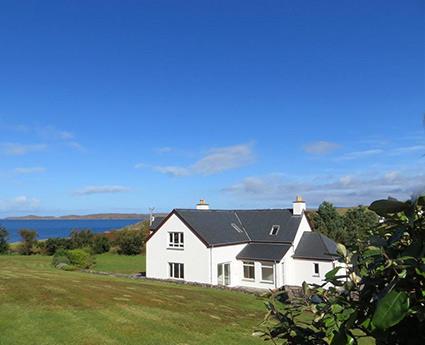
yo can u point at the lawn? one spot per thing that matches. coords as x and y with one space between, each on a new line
45 306
120 263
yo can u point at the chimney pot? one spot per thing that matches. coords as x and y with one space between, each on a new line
202 205
298 206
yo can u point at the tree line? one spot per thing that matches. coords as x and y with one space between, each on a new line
349 228
129 241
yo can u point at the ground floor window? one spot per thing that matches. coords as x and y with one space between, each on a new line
267 272
176 270
249 270
316 269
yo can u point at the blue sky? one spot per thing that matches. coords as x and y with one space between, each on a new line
117 106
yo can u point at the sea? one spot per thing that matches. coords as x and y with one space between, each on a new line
62 227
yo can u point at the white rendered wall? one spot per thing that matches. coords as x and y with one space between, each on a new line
305 271
227 254
194 255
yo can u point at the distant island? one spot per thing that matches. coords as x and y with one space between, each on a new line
88 216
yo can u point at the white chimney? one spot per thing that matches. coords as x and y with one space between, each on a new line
202 205
298 206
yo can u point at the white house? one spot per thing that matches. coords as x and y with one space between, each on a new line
248 248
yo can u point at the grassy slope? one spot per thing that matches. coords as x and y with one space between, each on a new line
41 305
120 263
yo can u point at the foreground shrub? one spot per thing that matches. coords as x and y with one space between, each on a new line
130 242
4 236
381 295
80 258
77 258
101 244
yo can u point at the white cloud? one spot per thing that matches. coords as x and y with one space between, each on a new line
30 170
165 149
343 190
172 170
19 204
361 154
101 190
215 161
17 149
320 147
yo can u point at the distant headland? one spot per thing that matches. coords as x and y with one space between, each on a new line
87 216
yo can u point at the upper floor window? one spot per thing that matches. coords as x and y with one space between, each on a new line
175 240
274 230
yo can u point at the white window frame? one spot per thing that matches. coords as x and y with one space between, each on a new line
316 264
172 270
274 227
248 264
267 265
176 242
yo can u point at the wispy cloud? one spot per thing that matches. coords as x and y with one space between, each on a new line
345 190
164 149
360 154
19 204
215 161
18 149
89 190
30 170
321 147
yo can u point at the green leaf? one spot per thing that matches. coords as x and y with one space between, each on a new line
372 251
385 207
391 309
332 273
340 249
342 338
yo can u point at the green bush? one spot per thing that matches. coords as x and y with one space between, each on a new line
101 245
57 260
81 238
130 242
51 245
80 258
4 245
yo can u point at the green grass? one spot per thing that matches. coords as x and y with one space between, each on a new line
115 263
45 306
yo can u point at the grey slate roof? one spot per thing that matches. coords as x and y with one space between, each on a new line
263 252
314 245
218 227
156 222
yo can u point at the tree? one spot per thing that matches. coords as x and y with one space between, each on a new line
358 223
329 222
29 238
4 236
52 245
379 294
130 242
81 238
101 244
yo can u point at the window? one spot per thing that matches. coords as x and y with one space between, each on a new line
316 269
176 270
267 273
274 230
175 240
248 270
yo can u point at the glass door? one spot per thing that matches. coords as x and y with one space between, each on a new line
223 274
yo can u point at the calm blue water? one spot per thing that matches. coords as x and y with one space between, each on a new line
62 228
